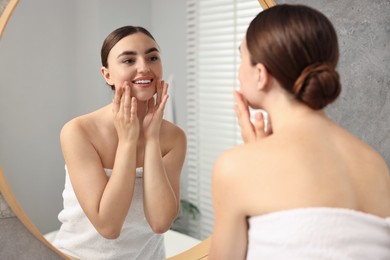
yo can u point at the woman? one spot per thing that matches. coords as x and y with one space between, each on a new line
123 161
306 188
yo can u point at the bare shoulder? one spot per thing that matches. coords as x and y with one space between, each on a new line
373 155
233 172
241 163
86 125
171 128
76 127
173 144
78 141
81 132
366 161
370 177
238 160
377 160
172 135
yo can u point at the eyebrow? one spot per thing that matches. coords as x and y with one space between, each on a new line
153 49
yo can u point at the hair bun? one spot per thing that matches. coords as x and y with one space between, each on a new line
318 85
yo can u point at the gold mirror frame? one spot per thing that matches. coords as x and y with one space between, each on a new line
4 17
199 251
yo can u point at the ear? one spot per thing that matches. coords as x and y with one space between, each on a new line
263 77
106 75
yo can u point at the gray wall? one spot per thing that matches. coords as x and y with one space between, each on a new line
363 29
50 73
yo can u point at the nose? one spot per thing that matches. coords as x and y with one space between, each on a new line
143 66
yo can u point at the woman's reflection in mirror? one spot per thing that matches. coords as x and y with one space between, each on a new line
306 188
122 161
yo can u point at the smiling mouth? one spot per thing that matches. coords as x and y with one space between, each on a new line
143 81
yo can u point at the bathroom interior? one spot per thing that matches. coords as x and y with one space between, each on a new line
50 73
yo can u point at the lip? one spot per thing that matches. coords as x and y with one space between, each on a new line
143 82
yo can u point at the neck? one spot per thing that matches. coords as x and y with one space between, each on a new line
284 111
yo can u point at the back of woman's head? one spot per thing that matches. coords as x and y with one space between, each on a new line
298 46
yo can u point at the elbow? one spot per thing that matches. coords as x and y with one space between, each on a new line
109 232
160 227
160 222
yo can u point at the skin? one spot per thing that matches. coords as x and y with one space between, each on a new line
305 161
121 136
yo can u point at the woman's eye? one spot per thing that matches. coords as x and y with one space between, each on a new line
128 61
154 58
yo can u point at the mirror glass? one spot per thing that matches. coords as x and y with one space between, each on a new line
51 73
50 63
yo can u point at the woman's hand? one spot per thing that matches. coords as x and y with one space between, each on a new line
153 119
124 110
250 132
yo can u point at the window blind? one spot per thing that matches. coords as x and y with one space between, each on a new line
214 32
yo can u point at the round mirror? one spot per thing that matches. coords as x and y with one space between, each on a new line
50 53
50 74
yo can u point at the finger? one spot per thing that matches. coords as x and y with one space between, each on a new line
164 95
242 103
247 128
165 89
237 109
268 126
124 92
240 109
133 111
159 91
164 100
243 117
151 105
117 99
127 104
238 114
259 126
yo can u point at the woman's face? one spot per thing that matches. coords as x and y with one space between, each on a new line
135 59
247 75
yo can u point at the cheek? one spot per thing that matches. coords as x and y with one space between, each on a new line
120 73
244 76
158 70
241 75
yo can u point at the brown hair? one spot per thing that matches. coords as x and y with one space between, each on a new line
298 45
115 36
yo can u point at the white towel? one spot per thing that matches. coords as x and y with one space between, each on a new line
319 233
78 238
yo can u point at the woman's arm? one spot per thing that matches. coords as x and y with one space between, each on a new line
162 173
105 201
231 198
162 181
229 238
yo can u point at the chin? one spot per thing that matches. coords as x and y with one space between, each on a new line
253 105
143 98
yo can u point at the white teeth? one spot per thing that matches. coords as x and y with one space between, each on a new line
142 81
